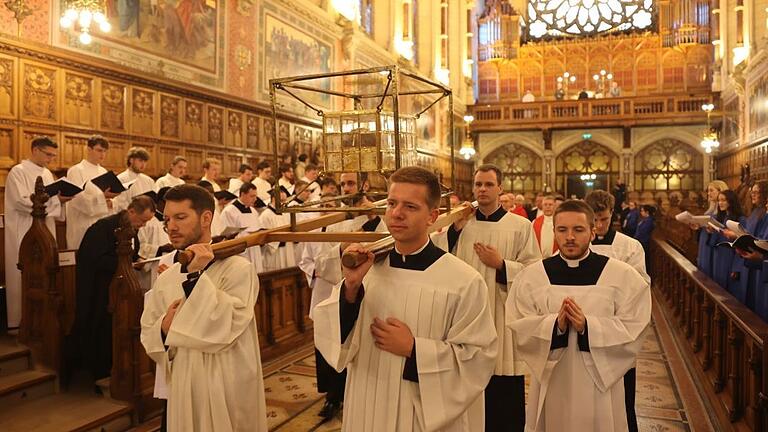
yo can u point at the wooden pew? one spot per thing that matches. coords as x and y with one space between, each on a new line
723 338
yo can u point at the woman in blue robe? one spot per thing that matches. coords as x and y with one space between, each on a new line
747 265
728 208
706 251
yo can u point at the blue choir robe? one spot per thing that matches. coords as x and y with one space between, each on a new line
706 252
722 260
747 273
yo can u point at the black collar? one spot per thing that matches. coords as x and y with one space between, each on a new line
607 239
272 208
418 261
587 273
298 201
493 217
370 226
159 216
240 206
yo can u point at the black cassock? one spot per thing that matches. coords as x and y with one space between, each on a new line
91 337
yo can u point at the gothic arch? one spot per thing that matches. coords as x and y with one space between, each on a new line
668 165
522 168
586 157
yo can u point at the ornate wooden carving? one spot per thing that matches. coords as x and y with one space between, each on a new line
41 306
39 85
7 87
113 106
142 112
193 121
169 116
215 125
252 132
78 100
235 136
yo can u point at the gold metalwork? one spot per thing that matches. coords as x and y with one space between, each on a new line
21 10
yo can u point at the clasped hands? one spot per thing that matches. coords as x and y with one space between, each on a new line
571 314
392 335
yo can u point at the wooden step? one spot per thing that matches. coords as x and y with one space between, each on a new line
13 357
152 425
26 385
73 412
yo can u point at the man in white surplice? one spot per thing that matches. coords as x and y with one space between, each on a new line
19 186
241 214
175 174
498 244
136 160
246 175
414 329
624 248
199 325
263 186
92 203
578 318
211 171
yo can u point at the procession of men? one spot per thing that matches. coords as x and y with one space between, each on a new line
440 333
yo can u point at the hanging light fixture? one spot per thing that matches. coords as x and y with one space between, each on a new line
468 146
82 15
709 139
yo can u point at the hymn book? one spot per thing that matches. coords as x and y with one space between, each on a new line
64 187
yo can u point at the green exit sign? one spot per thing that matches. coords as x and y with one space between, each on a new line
586 136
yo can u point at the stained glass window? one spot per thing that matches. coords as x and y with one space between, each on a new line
548 19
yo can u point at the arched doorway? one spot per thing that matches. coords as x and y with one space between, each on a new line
521 168
586 158
669 165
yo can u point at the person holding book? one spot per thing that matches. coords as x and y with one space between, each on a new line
19 186
747 265
140 183
728 208
706 250
94 202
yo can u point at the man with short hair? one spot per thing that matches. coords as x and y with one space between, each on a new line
414 329
286 179
616 245
92 203
240 213
175 174
536 210
311 173
96 265
19 187
211 171
329 188
263 185
506 201
498 245
246 175
543 226
578 321
519 208
199 325
136 160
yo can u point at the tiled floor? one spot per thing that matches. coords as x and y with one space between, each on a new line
293 403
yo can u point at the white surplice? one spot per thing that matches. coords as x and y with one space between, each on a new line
141 183
624 248
234 215
212 363
214 183
234 185
515 240
151 237
86 207
263 189
168 180
19 186
446 309
286 184
277 255
314 189
577 380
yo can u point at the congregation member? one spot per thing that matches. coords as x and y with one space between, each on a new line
246 175
263 184
633 218
543 226
240 213
645 229
506 202
199 326
175 175
286 179
211 171
19 187
92 203
414 330
536 210
311 174
578 318
96 265
140 183
706 246
498 245
747 266
608 242
519 207
728 208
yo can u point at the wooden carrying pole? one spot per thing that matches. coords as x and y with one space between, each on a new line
381 248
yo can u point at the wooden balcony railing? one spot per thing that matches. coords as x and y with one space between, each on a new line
623 111
723 339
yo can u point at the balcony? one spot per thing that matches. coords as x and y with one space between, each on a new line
591 113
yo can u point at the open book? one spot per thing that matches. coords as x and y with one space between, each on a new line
109 180
744 241
64 187
688 218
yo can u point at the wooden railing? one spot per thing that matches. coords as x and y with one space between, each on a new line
628 111
722 337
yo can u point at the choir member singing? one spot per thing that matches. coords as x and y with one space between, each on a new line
246 175
175 174
414 329
498 244
286 179
211 171
140 183
263 185
199 325
578 317
240 214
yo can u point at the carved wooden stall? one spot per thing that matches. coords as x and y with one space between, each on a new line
723 338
